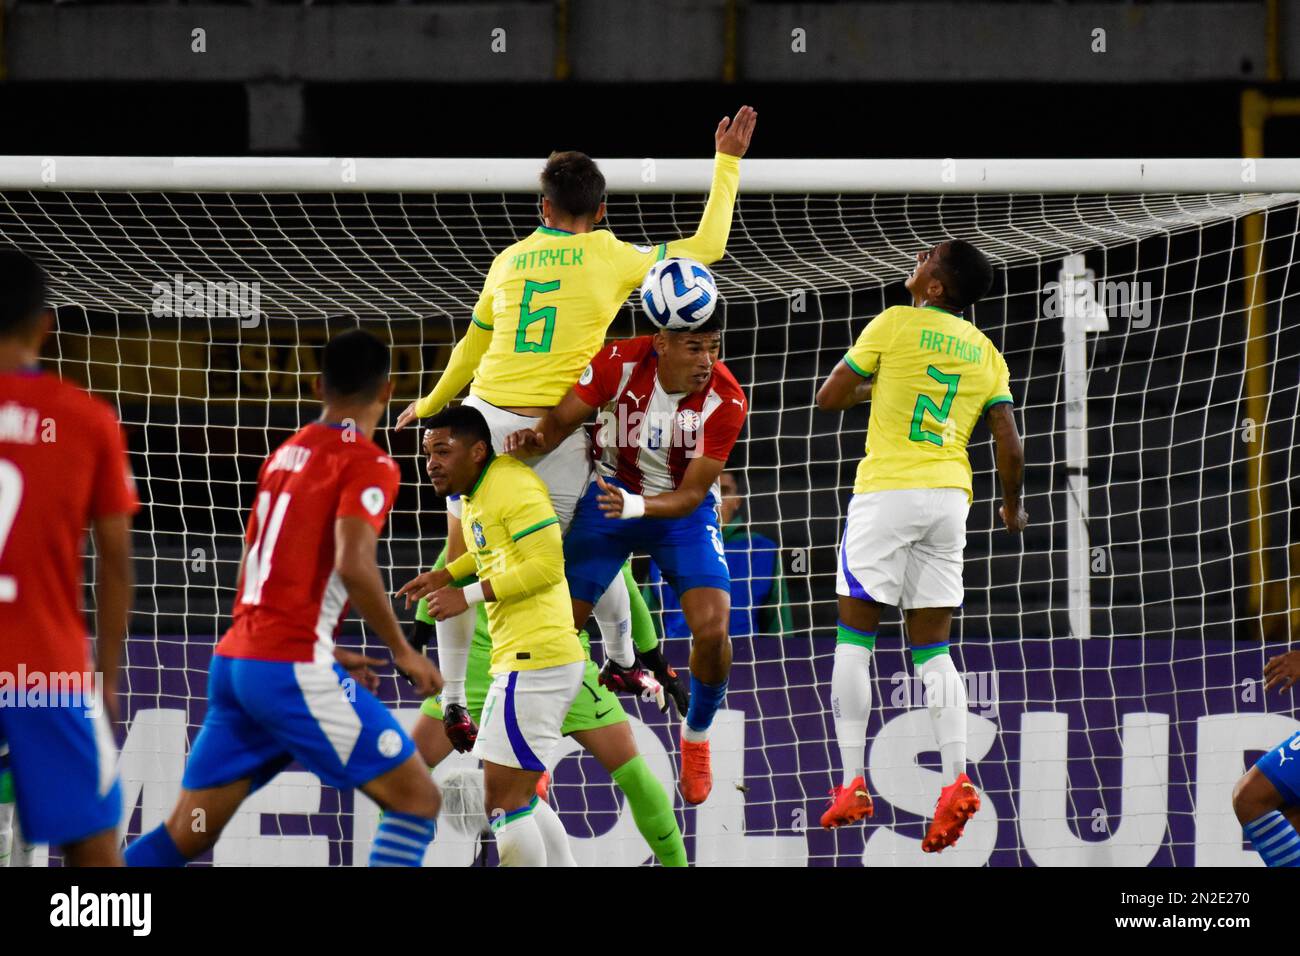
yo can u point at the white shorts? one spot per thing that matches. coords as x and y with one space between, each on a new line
523 714
904 547
564 469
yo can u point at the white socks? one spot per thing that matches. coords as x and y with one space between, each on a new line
454 637
613 613
519 841
851 706
945 698
554 838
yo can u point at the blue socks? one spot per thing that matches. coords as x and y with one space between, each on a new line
402 839
705 701
1275 839
155 848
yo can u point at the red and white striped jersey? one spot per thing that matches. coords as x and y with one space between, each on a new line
289 599
646 437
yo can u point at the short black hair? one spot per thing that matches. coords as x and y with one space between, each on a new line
573 183
22 291
966 273
710 325
354 364
465 422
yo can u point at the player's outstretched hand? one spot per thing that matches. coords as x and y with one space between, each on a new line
422 585
610 499
733 135
524 443
1016 521
447 602
419 670
408 415
460 727
1282 671
359 667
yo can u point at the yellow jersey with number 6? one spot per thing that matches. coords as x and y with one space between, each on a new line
934 375
549 299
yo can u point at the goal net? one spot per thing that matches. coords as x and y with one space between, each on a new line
1112 653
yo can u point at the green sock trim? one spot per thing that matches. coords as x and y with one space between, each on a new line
501 819
847 635
927 652
652 811
6 787
644 637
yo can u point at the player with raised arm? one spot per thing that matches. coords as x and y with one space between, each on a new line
1267 797
930 376
513 544
596 721
544 311
63 468
279 689
671 413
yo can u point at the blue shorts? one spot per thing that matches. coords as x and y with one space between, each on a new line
262 715
688 550
1282 767
64 765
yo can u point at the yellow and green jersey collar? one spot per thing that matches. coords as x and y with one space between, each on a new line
482 474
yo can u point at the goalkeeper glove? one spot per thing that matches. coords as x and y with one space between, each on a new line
674 687
461 730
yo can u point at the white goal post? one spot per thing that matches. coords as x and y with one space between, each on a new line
1147 310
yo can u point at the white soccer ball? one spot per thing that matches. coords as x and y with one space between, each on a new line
679 294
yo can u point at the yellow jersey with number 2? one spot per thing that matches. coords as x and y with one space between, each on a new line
549 299
934 375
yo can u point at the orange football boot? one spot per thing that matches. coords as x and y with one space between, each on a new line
544 786
697 773
848 804
958 802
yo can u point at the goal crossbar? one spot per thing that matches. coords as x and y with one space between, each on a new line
471 175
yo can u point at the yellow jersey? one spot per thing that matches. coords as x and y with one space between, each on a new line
549 299
513 536
934 375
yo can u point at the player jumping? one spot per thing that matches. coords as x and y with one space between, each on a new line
596 721
513 544
674 412
930 376
279 689
1267 798
63 468
545 308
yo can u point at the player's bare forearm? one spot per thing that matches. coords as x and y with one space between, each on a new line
553 427
701 475
113 591
1010 457
674 504
354 561
843 389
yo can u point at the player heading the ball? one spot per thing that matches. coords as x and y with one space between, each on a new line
544 311
512 537
930 376
279 690
63 468
670 414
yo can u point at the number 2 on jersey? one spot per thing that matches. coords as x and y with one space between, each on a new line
529 316
940 412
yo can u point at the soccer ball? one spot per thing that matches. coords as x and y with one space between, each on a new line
678 295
